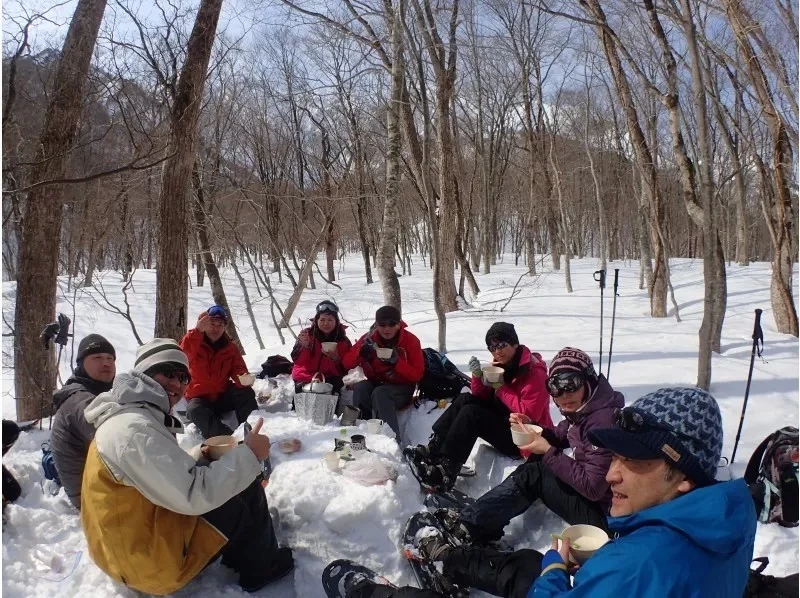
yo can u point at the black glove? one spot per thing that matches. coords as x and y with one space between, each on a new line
367 350
63 330
49 333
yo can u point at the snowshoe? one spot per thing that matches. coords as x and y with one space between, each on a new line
344 576
418 541
449 499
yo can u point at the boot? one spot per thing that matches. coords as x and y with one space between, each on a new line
433 547
442 475
281 564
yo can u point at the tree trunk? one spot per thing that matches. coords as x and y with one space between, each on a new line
34 367
173 266
302 279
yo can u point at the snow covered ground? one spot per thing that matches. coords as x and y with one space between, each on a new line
322 515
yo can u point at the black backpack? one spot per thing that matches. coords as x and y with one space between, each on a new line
442 379
275 365
772 477
769 586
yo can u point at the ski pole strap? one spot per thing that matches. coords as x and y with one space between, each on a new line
751 473
758 334
600 276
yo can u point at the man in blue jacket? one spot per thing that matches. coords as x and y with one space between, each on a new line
679 533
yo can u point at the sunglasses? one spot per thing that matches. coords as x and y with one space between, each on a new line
633 420
497 346
558 384
328 307
386 323
180 375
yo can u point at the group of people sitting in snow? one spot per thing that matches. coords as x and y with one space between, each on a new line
645 472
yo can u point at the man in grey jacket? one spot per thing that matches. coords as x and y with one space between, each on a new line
71 435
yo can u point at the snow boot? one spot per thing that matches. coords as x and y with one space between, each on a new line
441 475
282 564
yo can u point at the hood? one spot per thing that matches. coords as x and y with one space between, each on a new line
130 391
78 382
602 397
718 518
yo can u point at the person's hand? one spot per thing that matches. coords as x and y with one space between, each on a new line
563 550
539 446
203 322
519 419
258 443
494 385
304 339
475 366
367 351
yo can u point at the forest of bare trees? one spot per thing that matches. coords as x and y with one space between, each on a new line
458 130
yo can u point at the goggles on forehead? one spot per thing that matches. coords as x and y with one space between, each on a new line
217 311
327 307
633 420
558 384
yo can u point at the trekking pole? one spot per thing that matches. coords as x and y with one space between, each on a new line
613 318
600 276
758 337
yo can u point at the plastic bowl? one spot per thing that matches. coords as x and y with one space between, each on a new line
493 373
220 445
586 540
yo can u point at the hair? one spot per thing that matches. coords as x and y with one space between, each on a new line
671 471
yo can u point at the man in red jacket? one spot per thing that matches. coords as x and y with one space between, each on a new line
215 366
392 360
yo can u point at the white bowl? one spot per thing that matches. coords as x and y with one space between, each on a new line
328 347
247 379
383 353
492 373
331 461
587 540
523 434
220 445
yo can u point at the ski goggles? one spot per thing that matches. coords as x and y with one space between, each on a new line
497 346
327 307
217 311
635 421
558 384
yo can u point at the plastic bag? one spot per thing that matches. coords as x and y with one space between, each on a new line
369 470
281 395
354 376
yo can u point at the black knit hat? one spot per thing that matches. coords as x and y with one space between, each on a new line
387 312
502 331
92 344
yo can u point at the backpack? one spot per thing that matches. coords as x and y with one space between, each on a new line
442 379
772 477
769 586
49 464
275 365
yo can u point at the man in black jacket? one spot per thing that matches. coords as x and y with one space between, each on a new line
72 434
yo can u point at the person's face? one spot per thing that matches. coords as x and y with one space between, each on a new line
388 329
100 366
502 352
216 328
570 402
326 323
638 485
174 382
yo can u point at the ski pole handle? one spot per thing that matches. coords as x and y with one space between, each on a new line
757 333
616 280
600 276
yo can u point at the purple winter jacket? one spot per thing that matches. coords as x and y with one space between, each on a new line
587 468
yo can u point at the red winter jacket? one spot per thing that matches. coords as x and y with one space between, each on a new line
410 365
527 392
212 371
309 361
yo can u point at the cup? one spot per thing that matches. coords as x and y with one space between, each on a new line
247 379
328 347
492 373
331 461
374 426
350 415
523 434
358 443
220 445
585 541
383 353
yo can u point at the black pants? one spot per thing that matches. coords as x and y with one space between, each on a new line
246 522
469 418
207 415
382 400
529 482
11 487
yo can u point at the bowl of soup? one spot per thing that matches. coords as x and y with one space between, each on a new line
584 541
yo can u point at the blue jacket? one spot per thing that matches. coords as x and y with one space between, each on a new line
697 545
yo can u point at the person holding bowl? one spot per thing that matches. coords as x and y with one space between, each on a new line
320 348
513 384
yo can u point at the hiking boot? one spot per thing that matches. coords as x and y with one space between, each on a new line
427 453
281 564
433 547
440 476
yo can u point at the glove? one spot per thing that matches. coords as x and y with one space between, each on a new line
367 351
475 366
63 330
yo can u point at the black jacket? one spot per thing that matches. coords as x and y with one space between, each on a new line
71 433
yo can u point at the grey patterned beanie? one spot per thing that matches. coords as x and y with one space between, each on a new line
683 426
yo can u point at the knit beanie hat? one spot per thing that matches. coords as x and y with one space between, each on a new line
157 352
570 359
92 344
387 312
502 331
683 426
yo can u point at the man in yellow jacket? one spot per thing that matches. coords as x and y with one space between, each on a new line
153 516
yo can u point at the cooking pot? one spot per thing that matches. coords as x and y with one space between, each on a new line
318 385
